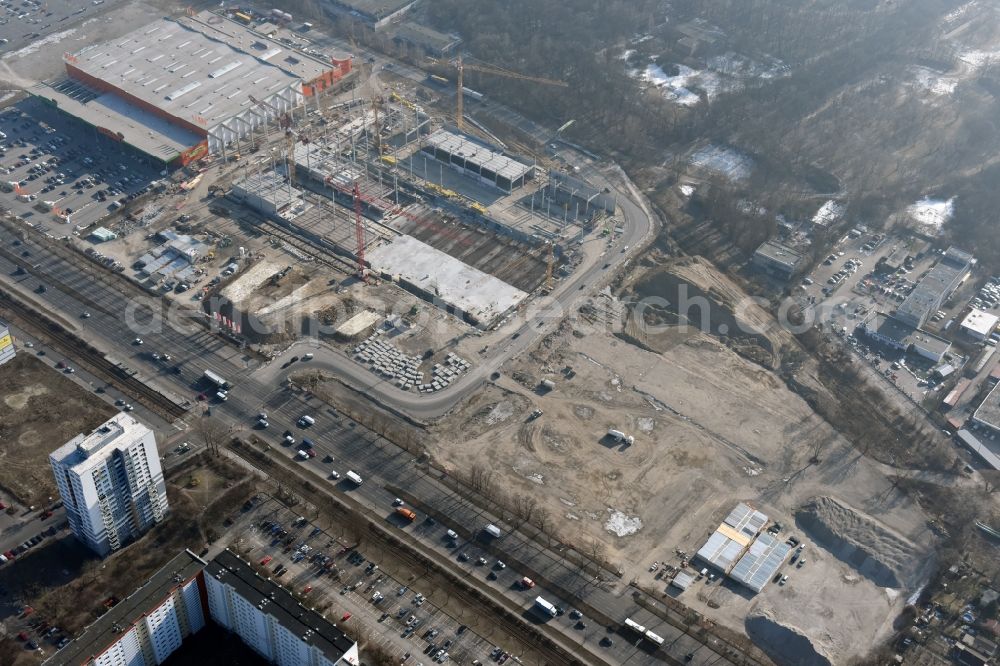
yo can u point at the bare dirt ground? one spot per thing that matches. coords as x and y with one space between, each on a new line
31 427
711 428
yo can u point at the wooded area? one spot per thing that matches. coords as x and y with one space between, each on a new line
836 124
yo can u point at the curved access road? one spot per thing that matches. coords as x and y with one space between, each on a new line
504 343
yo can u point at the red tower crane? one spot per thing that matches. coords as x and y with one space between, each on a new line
359 229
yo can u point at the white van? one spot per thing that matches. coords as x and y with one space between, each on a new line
307 421
354 478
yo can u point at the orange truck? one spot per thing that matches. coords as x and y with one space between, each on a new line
406 513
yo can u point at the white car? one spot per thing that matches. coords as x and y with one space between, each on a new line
334 474
137 341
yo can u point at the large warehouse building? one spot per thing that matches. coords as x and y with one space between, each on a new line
178 89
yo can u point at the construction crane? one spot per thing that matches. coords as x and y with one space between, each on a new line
496 71
550 260
359 230
290 140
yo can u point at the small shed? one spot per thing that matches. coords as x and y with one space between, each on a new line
102 235
682 580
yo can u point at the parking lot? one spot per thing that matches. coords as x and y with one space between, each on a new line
55 172
24 21
324 569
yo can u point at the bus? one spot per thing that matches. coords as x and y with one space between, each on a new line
635 626
654 638
213 378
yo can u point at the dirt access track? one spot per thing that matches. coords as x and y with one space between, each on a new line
711 429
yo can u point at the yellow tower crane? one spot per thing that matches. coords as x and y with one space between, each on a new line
496 71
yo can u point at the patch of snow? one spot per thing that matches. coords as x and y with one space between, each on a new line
622 525
536 478
932 212
643 38
571 516
741 67
978 59
934 82
725 161
750 208
500 412
722 74
673 87
687 190
645 424
956 14
54 38
829 212
626 54
8 95
567 502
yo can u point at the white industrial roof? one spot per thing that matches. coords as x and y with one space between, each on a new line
745 519
761 561
980 323
184 72
478 154
733 536
467 288
721 551
242 38
682 580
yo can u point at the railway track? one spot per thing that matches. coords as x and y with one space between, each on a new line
325 256
54 335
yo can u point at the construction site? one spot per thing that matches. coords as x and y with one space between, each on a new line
449 217
344 190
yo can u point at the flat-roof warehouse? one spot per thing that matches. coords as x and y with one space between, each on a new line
178 89
935 287
478 159
741 550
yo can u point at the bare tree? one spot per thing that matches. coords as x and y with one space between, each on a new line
481 479
524 507
212 433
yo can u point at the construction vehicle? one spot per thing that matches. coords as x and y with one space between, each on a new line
478 207
496 71
399 99
389 159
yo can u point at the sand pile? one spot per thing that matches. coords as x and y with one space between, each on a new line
783 643
885 557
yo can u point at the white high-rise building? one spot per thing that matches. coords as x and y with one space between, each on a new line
111 483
